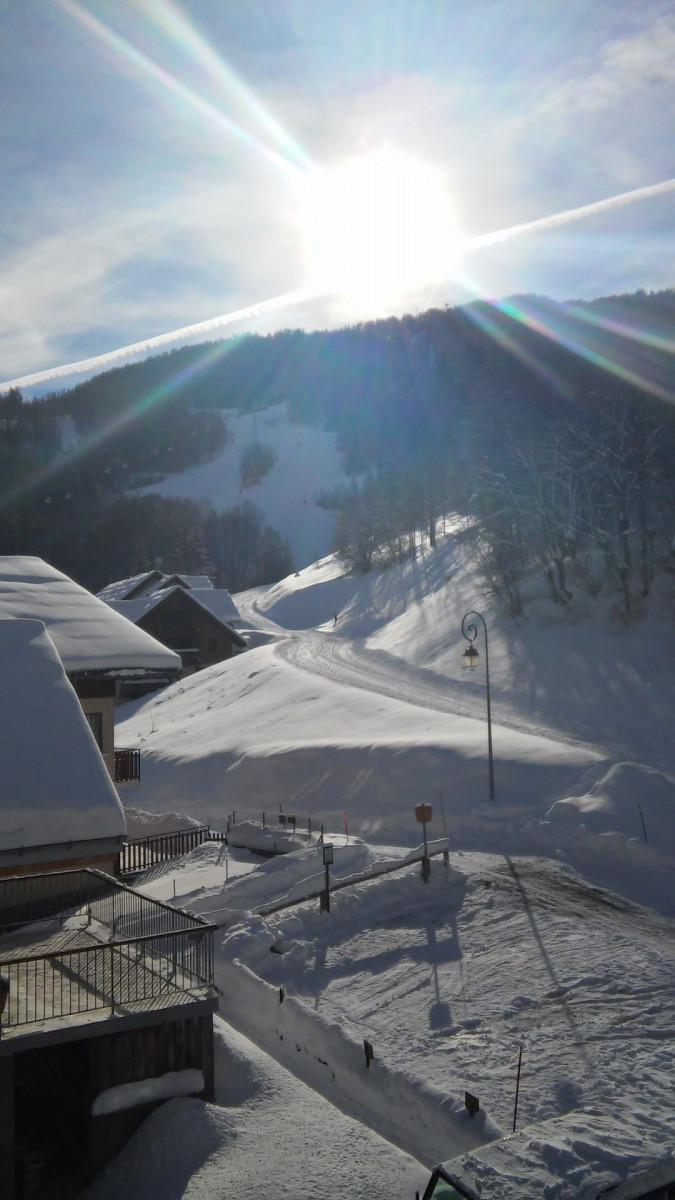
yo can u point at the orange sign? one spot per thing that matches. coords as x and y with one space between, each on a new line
423 813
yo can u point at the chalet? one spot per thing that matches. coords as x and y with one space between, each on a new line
185 613
58 806
100 650
106 996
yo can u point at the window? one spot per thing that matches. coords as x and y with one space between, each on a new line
95 720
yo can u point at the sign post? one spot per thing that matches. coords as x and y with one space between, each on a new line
424 813
327 860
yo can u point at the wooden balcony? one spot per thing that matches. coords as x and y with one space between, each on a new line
127 766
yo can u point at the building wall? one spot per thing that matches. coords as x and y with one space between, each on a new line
97 697
143 1054
182 624
46 1095
32 860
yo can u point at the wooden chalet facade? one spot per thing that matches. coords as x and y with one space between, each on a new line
183 612
180 621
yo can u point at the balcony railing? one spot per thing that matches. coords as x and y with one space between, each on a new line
104 947
127 766
140 853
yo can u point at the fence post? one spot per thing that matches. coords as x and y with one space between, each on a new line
112 979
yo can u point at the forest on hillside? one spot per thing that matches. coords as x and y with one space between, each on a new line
549 426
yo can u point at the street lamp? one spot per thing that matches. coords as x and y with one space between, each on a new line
471 656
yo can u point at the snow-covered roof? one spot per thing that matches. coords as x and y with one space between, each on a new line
54 786
216 601
149 582
191 582
582 1155
219 603
125 587
87 633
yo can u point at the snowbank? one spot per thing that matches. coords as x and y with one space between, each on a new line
425 1121
145 1091
631 800
142 824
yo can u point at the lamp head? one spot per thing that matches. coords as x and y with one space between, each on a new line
471 657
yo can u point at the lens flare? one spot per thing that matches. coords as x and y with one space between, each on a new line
378 226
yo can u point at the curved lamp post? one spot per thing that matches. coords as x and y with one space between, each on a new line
471 656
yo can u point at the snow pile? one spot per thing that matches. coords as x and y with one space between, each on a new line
630 801
585 1154
266 839
142 824
170 1146
284 878
146 1091
189 880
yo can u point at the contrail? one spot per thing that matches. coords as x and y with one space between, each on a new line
300 294
162 339
571 214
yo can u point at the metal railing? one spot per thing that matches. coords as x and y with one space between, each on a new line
140 853
127 766
129 950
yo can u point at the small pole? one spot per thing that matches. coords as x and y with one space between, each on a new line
644 827
515 1105
327 889
446 852
112 979
263 820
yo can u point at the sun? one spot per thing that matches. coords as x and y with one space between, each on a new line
377 227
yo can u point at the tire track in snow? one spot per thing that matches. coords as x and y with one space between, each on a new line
351 664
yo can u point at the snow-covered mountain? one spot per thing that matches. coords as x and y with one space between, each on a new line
307 461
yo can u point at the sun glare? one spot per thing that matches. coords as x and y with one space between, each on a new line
377 227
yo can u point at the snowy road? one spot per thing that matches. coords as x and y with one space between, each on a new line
350 663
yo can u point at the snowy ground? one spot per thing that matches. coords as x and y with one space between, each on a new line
267 1135
515 944
372 713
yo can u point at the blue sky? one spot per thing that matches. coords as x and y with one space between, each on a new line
150 151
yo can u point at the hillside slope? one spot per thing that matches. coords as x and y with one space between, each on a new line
307 460
357 708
